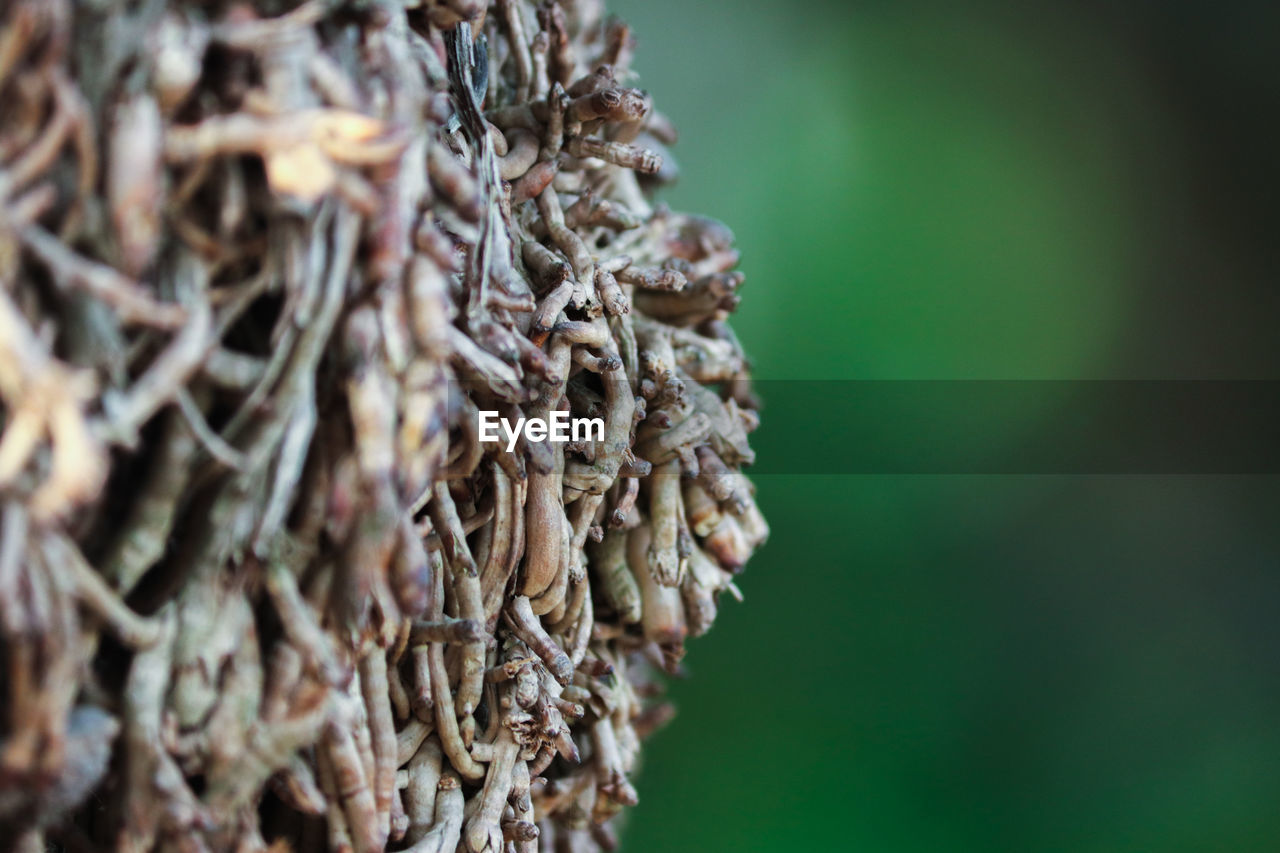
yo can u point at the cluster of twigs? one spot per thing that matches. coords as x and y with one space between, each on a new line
261 265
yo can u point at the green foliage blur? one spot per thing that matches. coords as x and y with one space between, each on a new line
932 190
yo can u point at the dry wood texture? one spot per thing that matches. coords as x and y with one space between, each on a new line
261 265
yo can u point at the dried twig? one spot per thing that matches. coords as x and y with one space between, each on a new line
259 275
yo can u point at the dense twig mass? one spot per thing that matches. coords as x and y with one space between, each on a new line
261 265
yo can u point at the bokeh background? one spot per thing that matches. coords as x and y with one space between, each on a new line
983 190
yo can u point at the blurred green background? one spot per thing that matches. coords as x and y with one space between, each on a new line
930 190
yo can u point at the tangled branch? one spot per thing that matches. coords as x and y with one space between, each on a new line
261 266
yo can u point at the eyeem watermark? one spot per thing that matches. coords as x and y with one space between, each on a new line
560 428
